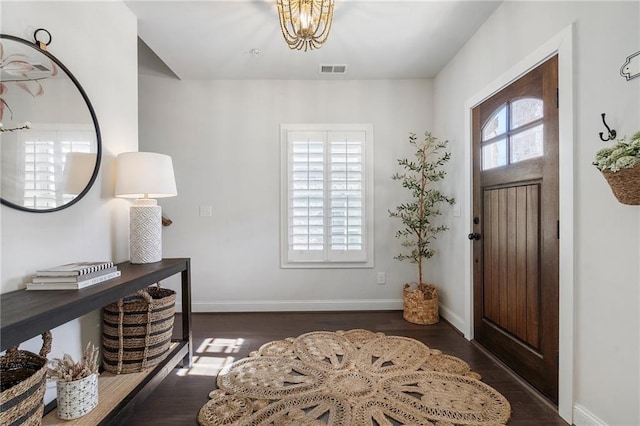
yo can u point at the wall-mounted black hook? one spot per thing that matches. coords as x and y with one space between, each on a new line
612 133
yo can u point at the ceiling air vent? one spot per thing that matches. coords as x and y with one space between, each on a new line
333 69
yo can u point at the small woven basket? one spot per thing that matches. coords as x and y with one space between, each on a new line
136 331
23 382
625 184
77 398
420 305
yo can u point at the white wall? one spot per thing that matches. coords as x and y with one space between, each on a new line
606 246
223 137
105 63
224 140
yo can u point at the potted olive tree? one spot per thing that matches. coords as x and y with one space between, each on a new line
419 227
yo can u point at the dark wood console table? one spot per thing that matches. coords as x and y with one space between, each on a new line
26 314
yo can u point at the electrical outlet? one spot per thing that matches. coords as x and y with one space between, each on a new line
205 211
382 278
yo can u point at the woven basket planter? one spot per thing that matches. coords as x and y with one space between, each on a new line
77 398
420 304
23 377
136 331
625 184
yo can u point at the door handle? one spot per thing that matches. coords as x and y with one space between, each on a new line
474 236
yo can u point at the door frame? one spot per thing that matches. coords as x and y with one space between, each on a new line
562 45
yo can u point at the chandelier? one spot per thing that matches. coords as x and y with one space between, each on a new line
305 23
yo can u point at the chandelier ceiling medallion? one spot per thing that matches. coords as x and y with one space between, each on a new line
305 24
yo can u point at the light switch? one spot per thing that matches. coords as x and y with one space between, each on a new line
456 211
206 211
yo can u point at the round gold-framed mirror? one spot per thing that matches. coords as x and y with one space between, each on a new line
50 142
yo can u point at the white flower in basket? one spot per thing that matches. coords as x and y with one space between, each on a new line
77 383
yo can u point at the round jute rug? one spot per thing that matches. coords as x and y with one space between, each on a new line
350 378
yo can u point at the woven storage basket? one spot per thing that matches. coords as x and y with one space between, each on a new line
420 304
625 184
23 377
136 331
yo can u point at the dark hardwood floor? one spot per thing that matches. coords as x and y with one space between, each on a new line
177 400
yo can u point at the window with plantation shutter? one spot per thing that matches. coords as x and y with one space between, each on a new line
327 195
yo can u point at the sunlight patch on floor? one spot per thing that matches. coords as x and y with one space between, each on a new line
217 345
205 364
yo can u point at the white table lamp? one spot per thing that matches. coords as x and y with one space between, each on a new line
145 176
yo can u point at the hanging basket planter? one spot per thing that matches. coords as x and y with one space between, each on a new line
625 184
620 166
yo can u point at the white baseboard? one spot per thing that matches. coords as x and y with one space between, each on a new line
295 305
451 317
584 417
313 305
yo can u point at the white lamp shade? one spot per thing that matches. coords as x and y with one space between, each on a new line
145 175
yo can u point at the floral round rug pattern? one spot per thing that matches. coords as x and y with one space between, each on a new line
350 378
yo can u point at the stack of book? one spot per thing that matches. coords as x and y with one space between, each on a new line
73 276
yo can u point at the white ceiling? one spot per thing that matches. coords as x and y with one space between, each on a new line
213 39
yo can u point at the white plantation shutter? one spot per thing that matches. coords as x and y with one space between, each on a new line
346 195
306 188
326 196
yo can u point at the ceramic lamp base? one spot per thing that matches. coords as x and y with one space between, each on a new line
145 231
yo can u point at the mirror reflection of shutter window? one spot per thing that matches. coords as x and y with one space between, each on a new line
44 161
39 177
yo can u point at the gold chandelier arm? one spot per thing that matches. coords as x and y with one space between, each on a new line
321 38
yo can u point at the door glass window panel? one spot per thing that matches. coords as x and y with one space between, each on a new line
496 125
494 154
525 111
513 133
527 144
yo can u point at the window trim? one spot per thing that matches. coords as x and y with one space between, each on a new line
368 147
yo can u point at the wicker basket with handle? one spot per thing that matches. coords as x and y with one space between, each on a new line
136 330
420 304
23 378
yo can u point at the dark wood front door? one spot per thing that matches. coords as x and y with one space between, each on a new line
515 235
